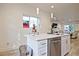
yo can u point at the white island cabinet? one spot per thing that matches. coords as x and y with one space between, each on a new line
65 44
39 43
39 46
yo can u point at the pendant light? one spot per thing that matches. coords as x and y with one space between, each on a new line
37 11
52 12
51 15
52 6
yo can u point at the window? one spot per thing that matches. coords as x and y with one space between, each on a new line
28 22
69 28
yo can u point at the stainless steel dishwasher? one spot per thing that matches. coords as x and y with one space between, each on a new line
54 46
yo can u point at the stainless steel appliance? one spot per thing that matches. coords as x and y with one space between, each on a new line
54 46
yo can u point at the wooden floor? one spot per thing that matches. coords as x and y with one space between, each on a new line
73 52
74 47
10 53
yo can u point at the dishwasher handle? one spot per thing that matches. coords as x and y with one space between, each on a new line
56 41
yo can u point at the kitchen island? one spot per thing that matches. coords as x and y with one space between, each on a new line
41 46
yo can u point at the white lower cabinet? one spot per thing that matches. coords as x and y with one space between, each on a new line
42 48
39 47
42 51
65 44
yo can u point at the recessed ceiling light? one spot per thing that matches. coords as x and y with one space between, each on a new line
52 6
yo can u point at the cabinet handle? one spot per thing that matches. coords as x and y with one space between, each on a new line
43 53
43 43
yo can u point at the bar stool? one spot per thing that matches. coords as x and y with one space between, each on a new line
25 50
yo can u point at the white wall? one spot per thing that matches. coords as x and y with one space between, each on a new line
11 31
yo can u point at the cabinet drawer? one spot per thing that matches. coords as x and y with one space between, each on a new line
42 42
43 54
42 46
42 51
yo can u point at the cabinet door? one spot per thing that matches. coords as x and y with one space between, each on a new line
68 44
63 46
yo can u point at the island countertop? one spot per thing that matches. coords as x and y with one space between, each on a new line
43 36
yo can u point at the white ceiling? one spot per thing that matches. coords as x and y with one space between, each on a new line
47 6
60 10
